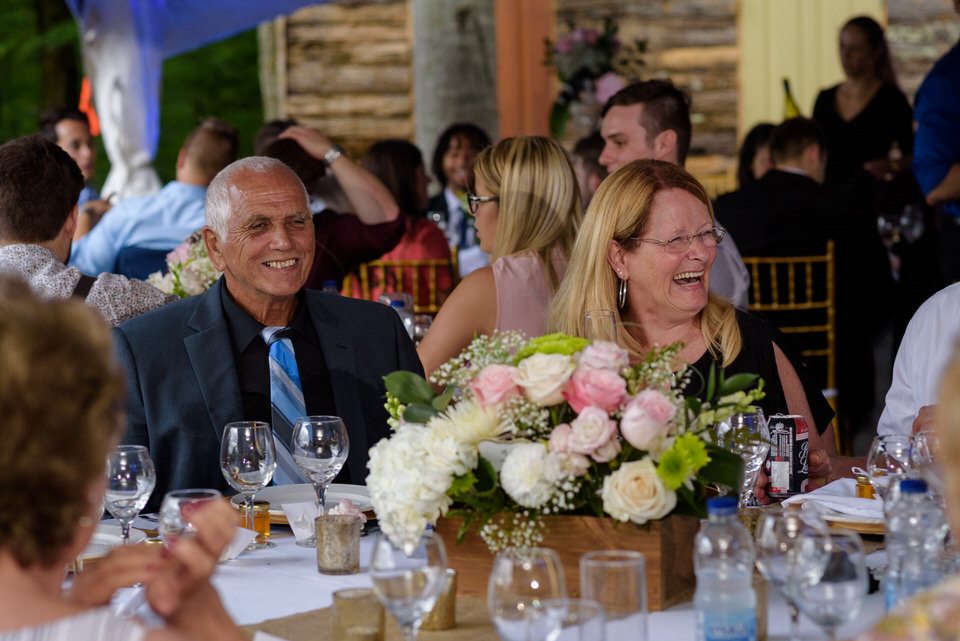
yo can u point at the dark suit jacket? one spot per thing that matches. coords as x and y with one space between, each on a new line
182 384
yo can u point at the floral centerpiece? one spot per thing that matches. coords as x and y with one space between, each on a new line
590 65
579 431
189 270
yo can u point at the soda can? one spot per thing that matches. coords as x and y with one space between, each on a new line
787 462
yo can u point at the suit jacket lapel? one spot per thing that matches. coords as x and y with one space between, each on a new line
338 354
211 356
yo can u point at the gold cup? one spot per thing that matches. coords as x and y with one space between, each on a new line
338 543
357 615
443 616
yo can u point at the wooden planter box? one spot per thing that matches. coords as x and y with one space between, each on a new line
667 546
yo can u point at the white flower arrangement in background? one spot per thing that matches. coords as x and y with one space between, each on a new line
189 270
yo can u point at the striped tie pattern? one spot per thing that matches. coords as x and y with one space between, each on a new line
286 401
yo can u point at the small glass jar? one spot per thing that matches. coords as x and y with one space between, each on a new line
865 488
261 519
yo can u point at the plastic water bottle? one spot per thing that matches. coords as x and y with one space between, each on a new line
914 539
330 287
723 560
405 315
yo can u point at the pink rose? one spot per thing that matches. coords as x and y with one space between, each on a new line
563 45
604 355
559 442
494 384
645 420
346 507
568 465
607 85
592 429
590 35
608 452
181 253
598 387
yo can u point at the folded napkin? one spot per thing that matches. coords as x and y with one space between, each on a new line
301 517
241 539
840 496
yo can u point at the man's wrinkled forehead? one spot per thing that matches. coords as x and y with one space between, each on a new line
255 192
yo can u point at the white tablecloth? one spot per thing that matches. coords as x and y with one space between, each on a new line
270 584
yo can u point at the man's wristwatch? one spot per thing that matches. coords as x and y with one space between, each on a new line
332 154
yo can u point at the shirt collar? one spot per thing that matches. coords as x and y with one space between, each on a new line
244 328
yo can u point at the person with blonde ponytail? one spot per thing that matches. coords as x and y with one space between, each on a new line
527 208
645 250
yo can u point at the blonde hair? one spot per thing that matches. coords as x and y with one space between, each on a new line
947 422
539 206
619 212
60 399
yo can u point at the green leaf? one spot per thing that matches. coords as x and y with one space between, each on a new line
725 467
440 403
409 387
559 116
711 381
419 413
736 383
462 484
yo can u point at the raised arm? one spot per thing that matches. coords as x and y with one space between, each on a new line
371 201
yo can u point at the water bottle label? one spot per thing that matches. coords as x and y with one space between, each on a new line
727 626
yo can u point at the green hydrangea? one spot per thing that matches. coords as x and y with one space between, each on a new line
551 344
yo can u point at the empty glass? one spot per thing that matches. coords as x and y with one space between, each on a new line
521 579
568 620
408 579
248 459
600 325
832 595
176 509
617 580
747 435
888 461
130 482
320 448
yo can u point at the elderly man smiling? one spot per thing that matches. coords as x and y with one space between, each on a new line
205 361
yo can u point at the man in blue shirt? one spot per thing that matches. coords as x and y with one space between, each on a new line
70 129
134 237
936 151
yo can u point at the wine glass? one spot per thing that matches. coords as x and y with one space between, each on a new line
779 542
746 434
130 482
522 578
408 578
888 461
925 459
832 595
567 620
600 325
248 459
175 511
617 579
320 448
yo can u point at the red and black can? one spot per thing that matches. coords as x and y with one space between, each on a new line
787 461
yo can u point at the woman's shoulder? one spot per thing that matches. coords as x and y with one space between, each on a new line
96 623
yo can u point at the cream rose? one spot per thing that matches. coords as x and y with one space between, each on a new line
635 493
543 376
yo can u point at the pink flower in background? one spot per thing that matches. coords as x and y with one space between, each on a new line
657 405
604 355
598 387
608 452
645 420
592 430
607 85
346 507
564 45
182 253
494 384
559 442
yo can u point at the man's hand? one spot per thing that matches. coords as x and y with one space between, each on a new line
924 420
819 469
90 214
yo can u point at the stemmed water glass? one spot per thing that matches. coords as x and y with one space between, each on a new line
320 448
521 579
408 578
832 595
746 434
248 458
780 538
925 459
567 620
130 482
175 511
888 461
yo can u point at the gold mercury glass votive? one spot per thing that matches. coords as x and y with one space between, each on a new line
443 616
338 543
357 615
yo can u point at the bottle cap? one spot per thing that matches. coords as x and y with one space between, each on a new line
330 283
913 486
722 505
395 304
863 480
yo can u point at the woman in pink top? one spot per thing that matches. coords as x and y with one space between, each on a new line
527 209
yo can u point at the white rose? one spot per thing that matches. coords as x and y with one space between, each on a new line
542 377
635 493
526 475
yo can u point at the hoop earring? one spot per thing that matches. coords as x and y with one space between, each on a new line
621 293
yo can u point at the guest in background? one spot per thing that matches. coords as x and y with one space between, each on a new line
399 166
586 162
370 224
755 158
60 380
70 129
864 115
452 165
527 210
646 250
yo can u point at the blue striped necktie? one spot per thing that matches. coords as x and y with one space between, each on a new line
286 401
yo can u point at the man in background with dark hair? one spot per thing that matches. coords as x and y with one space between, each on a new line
70 129
586 164
135 236
651 119
39 184
452 166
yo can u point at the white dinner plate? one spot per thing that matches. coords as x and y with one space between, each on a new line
277 495
105 538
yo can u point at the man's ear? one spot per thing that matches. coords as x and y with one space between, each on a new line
665 146
70 226
214 249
